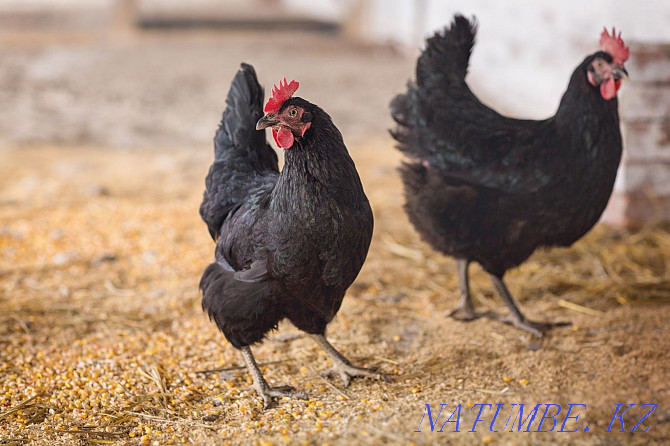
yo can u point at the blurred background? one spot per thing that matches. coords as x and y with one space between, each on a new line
154 73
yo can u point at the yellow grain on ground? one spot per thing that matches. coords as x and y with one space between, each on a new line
102 339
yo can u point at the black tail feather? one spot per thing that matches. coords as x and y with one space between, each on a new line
447 54
442 64
244 107
242 157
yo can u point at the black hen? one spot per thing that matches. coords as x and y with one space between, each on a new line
289 243
483 187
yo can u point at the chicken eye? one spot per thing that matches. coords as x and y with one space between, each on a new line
293 112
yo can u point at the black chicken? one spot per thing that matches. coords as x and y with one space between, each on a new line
483 187
289 243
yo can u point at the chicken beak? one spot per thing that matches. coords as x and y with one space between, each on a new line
620 72
266 121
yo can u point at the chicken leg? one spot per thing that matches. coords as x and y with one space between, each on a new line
465 310
264 390
515 317
342 366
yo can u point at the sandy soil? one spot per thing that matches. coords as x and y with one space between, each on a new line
102 340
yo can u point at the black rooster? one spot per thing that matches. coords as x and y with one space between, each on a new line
483 187
289 243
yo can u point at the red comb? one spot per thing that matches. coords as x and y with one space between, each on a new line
613 45
281 94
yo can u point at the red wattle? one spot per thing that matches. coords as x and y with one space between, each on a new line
283 137
608 89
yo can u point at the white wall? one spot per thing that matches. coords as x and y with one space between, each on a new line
524 55
525 50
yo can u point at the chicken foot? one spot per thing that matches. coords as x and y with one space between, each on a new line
515 317
264 390
342 366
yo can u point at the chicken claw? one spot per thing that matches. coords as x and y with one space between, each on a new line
343 367
515 317
346 372
261 385
533 327
465 314
267 393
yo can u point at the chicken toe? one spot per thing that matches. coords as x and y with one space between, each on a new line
533 327
260 384
515 317
343 367
267 393
348 371
465 314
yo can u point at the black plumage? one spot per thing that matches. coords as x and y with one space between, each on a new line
483 187
289 243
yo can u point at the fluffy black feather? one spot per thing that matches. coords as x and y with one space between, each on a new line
243 310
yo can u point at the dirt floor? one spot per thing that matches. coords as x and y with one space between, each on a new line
102 339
